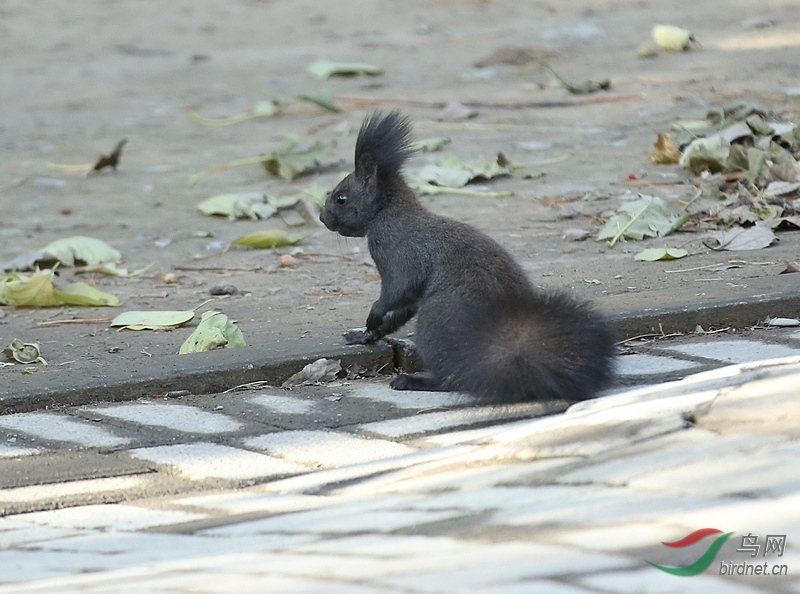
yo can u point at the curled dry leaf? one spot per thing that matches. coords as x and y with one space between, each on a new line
665 151
111 159
321 370
24 352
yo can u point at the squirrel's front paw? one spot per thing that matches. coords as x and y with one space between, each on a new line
374 319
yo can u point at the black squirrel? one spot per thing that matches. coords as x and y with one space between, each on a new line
482 328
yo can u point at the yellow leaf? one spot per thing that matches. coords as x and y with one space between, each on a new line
36 290
82 294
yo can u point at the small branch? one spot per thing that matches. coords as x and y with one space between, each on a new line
530 104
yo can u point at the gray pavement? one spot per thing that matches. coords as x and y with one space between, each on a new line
350 486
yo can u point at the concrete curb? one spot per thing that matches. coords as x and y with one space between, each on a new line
205 373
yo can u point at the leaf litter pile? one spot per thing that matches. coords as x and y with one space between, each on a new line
746 166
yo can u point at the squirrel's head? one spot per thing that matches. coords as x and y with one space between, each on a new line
354 203
383 145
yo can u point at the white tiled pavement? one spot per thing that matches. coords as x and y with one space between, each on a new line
429 500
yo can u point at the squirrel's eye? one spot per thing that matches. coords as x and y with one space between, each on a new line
341 198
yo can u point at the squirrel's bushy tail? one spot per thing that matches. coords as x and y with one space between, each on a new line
385 140
546 347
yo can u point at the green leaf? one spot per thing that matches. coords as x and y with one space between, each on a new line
214 331
82 294
152 320
268 238
656 254
326 68
79 250
648 216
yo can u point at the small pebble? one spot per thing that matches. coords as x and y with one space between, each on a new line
287 261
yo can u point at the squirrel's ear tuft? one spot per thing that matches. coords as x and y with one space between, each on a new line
366 167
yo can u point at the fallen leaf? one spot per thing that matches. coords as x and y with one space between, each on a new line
83 294
783 223
321 370
301 158
152 320
647 216
262 109
782 322
740 238
324 98
111 159
36 290
430 145
656 254
243 205
781 188
80 251
214 331
672 39
110 269
665 151
706 154
268 238
26 353
326 68
455 173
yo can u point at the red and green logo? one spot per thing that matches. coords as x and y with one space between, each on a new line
705 559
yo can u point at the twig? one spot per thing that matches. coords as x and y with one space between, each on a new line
249 386
217 268
530 104
76 321
229 165
656 335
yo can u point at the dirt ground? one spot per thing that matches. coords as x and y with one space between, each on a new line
78 77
